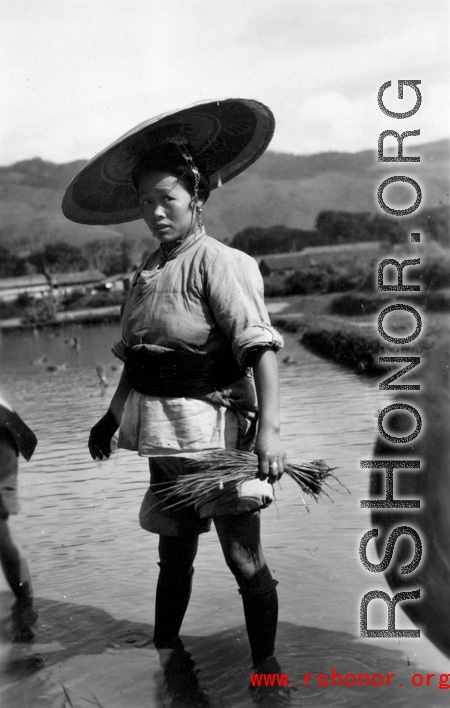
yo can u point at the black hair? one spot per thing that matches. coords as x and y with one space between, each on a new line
168 158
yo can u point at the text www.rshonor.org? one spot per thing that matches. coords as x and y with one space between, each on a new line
269 680
335 679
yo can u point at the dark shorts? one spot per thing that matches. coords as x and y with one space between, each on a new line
193 520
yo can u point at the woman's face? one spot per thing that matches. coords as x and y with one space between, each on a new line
167 207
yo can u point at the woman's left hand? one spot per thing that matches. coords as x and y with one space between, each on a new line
271 456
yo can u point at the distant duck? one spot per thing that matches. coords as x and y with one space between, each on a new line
74 342
56 367
41 361
289 360
104 383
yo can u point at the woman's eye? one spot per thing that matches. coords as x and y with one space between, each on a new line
146 202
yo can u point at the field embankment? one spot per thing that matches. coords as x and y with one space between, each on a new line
351 337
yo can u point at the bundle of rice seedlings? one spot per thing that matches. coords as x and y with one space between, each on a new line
213 472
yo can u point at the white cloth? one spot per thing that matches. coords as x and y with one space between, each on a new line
168 426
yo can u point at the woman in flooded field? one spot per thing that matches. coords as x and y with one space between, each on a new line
198 349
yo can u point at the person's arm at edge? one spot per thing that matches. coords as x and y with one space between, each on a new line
268 445
119 398
102 432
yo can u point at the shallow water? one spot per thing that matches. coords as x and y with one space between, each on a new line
94 570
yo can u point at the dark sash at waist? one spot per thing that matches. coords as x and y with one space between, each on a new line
180 373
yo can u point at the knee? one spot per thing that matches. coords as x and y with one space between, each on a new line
175 573
176 556
243 564
175 567
260 583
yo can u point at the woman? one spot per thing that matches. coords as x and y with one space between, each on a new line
193 323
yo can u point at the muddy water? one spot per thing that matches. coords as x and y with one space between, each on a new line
94 569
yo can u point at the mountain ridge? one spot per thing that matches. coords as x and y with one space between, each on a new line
280 188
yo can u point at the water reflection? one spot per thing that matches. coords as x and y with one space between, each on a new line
212 670
94 569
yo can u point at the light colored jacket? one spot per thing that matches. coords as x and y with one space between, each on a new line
205 297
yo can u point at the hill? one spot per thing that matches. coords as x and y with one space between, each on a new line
279 189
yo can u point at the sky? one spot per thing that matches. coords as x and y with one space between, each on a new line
77 74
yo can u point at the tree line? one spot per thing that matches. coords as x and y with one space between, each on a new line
120 254
339 227
110 256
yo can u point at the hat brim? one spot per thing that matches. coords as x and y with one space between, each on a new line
226 135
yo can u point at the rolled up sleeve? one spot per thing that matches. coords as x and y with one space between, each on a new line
236 296
120 350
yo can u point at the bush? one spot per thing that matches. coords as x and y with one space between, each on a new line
58 257
11 265
286 325
28 308
356 304
24 300
327 277
351 227
437 301
105 298
359 304
356 347
259 240
435 274
41 311
72 298
307 282
275 286
342 279
433 271
353 347
9 310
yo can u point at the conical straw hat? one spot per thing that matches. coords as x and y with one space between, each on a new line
225 136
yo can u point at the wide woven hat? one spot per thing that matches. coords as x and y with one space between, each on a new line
225 136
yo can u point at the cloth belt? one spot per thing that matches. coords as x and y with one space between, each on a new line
179 373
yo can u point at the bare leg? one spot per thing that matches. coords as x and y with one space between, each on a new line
240 540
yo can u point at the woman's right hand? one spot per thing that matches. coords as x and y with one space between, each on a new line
100 437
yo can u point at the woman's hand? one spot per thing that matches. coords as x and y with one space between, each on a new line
102 432
100 437
271 456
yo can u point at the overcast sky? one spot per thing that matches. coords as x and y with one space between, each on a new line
76 74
